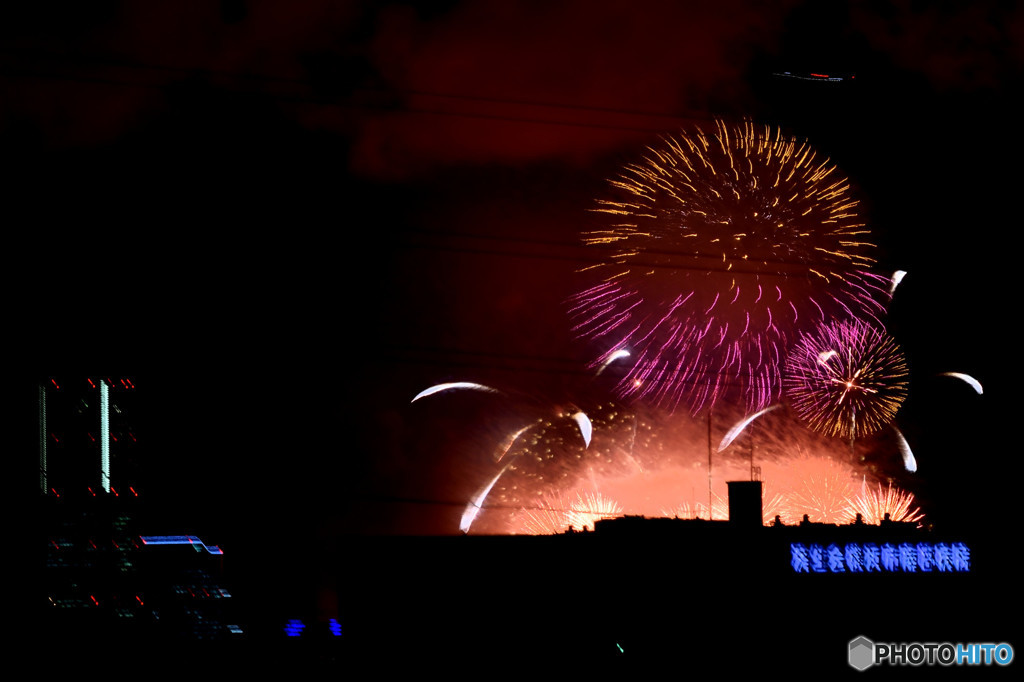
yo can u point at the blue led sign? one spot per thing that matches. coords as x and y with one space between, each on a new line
869 557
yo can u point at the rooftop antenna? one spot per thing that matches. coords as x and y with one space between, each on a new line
710 450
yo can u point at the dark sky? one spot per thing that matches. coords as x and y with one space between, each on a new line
286 220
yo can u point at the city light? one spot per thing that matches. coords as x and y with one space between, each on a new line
180 540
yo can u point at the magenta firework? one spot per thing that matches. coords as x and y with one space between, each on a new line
715 251
846 379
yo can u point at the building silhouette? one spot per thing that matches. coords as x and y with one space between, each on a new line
727 595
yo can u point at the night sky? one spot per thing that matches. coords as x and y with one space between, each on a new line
285 220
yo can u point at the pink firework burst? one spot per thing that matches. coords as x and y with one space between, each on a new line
720 247
846 379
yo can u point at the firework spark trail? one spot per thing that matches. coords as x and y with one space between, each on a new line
738 428
897 277
438 388
909 461
968 379
477 503
612 357
846 379
586 426
720 248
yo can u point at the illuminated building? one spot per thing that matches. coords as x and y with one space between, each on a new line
104 579
86 437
